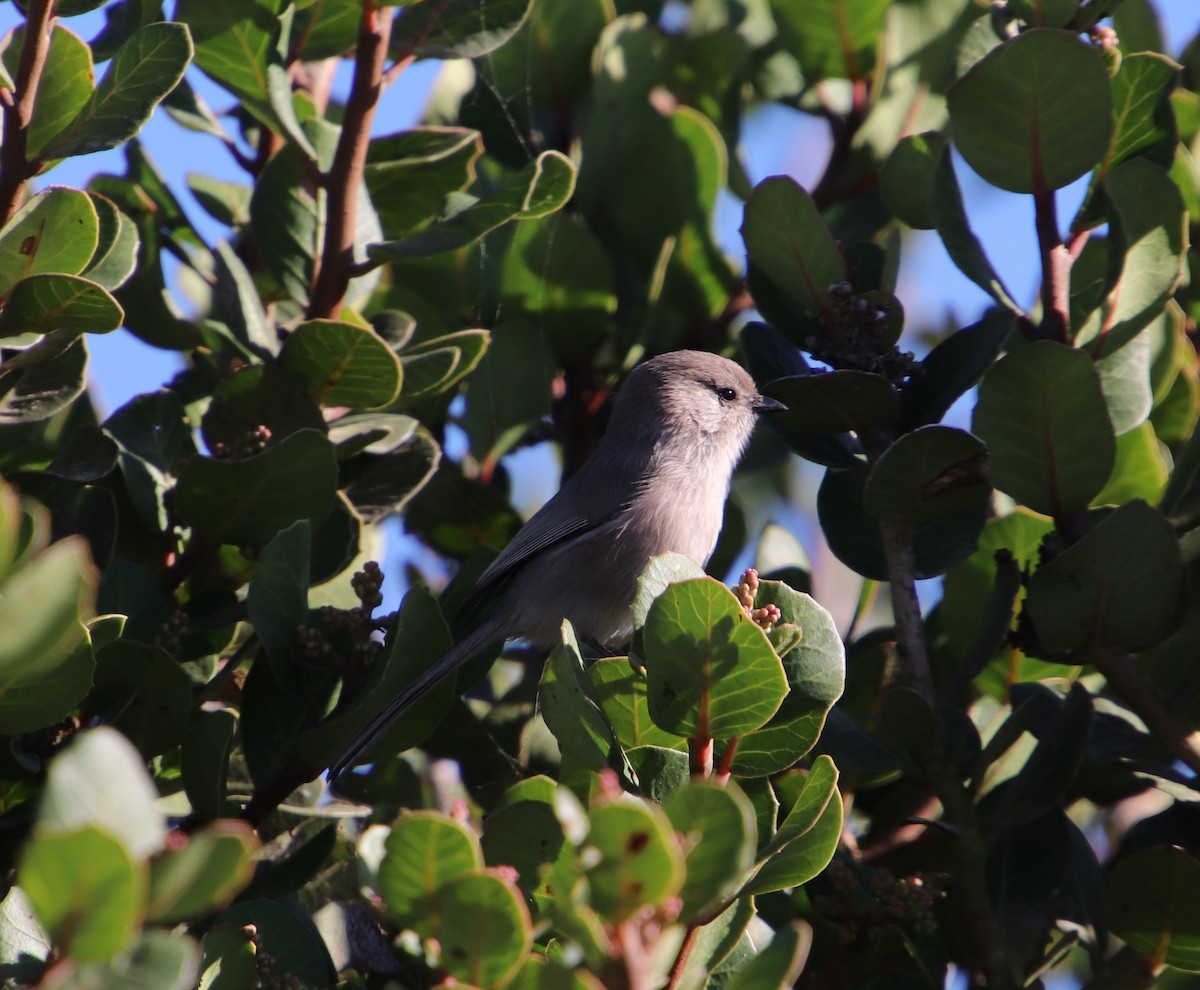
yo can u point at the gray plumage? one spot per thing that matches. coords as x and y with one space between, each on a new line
656 483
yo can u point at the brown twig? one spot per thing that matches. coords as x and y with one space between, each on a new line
906 606
957 802
681 959
345 176
15 170
833 185
1128 680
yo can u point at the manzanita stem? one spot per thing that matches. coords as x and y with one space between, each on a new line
15 170
1056 268
345 177
906 606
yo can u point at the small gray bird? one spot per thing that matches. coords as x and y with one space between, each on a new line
656 483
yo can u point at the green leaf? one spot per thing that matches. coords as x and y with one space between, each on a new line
1143 122
1042 415
805 856
949 217
1118 586
719 835
541 188
65 85
419 637
85 890
816 674
158 961
240 303
381 486
835 401
100 780
1046 13
287 217
228 959
43 303
968 599
572 711
142 691
1152 218
951 368
342 364
907 177
639 862
437 365
659 574
1045 780
1035 113
204 875
410 174
778 965
1141 469
621 691
509 393
457 28
56 231
117 245
204 761
708 666
277 599
258 395
483 929
722 941
424 853
1152 906
43 605
525 834
855 539
251 500
1125 381
234 43
43 379
832 39
286 933
24 944
225 202
931 473
557 274
791 253
143 71
819 788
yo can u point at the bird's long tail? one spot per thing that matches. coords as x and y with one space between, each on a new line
366 737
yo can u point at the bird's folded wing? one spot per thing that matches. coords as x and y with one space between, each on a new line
535 537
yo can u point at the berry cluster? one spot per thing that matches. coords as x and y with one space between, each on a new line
745 591
247 445
170 635
863 898
855 327
344 638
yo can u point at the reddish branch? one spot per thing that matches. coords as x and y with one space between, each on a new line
344 179
1056 265
15 170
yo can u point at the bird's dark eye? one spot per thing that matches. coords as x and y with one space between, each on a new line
727 394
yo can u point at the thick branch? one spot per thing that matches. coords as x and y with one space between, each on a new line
970 878
1056 268
1127 680
910 631
345 176
18 111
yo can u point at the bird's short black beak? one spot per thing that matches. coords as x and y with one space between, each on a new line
766 404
